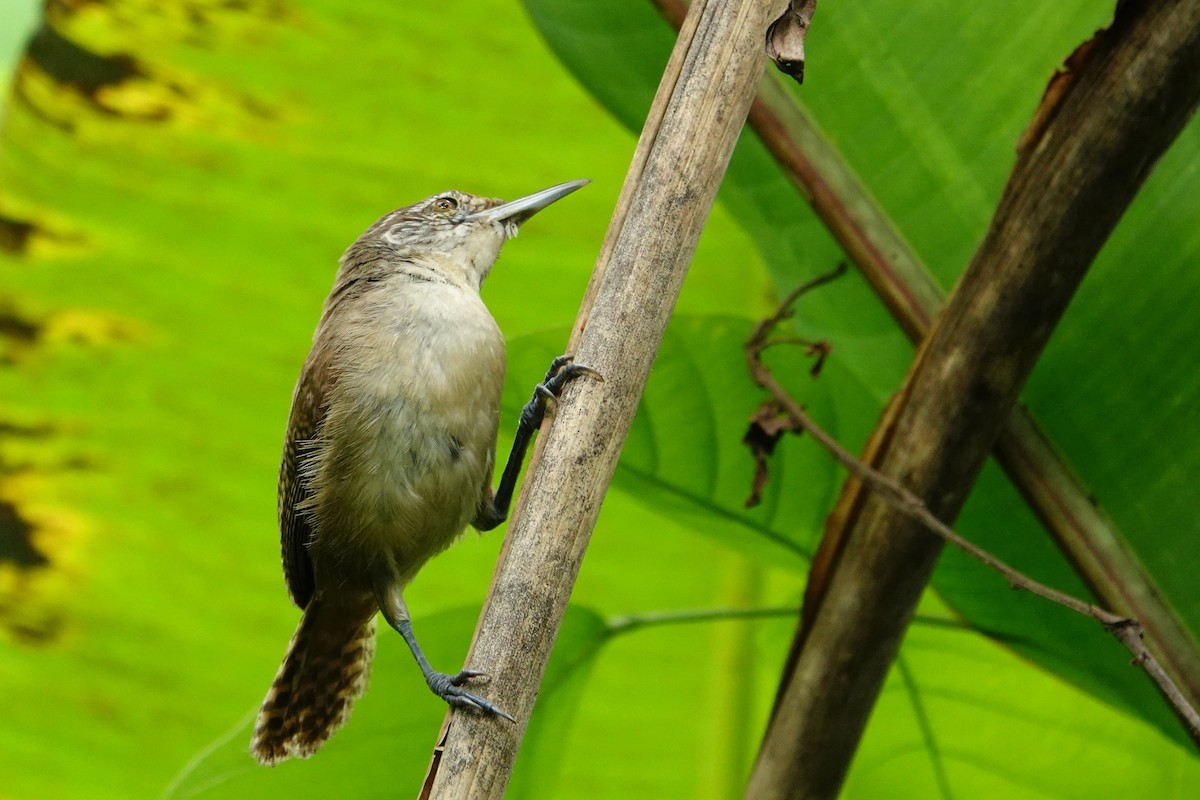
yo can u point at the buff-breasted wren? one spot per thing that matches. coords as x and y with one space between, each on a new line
390 450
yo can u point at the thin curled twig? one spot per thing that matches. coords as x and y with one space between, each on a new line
1125 629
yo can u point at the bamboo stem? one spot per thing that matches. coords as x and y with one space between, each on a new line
681 158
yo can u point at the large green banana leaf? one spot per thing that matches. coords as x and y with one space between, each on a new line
176 183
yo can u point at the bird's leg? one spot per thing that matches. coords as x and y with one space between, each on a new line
562 371
447 687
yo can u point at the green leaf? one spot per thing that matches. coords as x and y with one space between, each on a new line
959 717
175 231
157 312
926 104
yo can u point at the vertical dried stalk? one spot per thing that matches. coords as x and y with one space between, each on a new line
681 159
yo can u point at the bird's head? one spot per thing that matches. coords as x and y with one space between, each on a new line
456 232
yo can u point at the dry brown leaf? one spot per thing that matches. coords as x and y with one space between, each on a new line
785 38
767 426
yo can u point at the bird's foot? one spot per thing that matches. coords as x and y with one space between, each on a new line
449 688
563 370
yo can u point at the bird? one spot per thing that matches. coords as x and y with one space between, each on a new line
390 450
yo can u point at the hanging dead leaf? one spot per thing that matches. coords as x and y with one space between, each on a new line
785 38
767 426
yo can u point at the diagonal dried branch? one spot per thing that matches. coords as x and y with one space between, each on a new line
1086 536
1126 630
1068 189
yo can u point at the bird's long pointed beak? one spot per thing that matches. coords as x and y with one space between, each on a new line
518 211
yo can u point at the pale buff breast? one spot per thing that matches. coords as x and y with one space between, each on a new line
409 439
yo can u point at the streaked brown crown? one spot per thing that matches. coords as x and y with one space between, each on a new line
430 222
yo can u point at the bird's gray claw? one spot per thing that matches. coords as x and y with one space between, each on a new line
563 370
466 675
556 366
449 688
467 700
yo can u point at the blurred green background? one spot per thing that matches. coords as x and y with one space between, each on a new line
177 182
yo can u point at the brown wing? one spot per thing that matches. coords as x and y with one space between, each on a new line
304 423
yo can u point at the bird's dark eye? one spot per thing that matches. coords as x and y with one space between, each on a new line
445 204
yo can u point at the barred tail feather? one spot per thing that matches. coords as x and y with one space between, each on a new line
324 672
